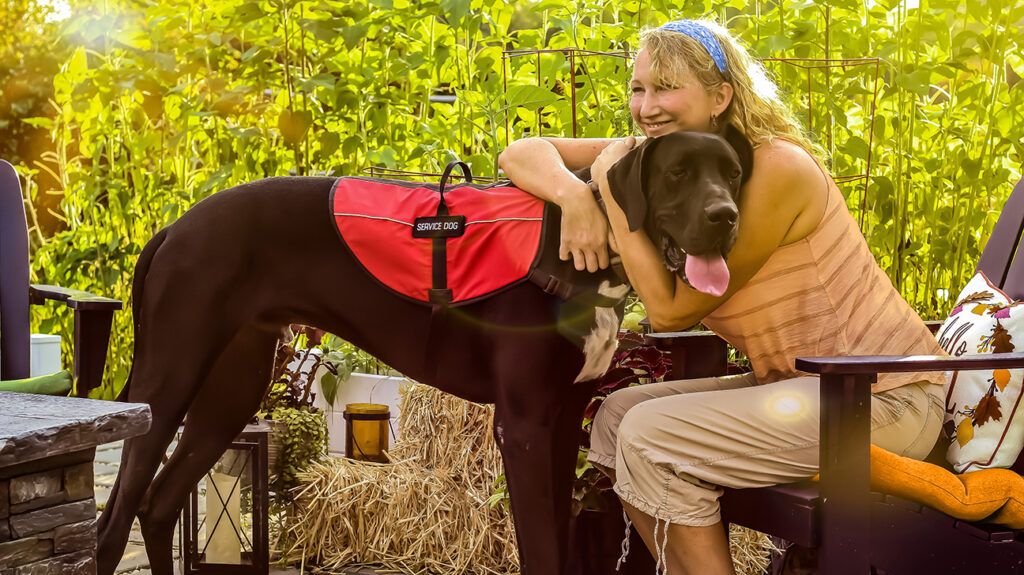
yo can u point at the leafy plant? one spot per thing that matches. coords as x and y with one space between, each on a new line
635 363
301 433
302 441
154 109
290 399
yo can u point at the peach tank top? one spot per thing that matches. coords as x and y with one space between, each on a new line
823 295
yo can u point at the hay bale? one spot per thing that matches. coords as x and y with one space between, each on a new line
441 431
402 516
427 512
751 550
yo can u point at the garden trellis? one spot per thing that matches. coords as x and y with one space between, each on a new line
151 111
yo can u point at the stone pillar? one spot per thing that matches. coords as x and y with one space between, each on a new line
47 516
47 507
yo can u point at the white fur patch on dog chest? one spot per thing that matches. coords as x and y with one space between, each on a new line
600 345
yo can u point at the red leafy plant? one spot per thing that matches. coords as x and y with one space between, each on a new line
635 363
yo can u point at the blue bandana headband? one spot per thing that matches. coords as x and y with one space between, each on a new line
702 34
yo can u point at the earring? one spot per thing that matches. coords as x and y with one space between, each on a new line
714 121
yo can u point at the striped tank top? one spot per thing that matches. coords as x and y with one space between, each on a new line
824 295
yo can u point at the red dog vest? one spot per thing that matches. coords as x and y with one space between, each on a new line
500 245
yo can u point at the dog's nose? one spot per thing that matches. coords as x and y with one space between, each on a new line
721 213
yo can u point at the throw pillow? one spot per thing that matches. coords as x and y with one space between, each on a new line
53 384
995 495
984 423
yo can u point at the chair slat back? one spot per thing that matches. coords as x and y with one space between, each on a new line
1000 261
14 315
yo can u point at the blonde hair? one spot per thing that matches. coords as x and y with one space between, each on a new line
755 107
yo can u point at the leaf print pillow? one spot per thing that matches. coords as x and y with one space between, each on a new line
984 424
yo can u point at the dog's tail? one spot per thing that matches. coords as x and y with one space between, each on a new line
138 289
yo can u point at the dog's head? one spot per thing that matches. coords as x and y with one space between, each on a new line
682 189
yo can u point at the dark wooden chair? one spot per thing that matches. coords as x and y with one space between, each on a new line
93 314
852 530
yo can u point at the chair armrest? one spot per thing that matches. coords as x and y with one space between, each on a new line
75 299
694 354
846 423
875 364
93 318
660 338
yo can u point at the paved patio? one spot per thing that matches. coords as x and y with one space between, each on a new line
135 562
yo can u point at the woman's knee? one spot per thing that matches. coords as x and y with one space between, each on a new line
638 427
614 408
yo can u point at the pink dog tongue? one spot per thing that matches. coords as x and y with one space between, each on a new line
707 274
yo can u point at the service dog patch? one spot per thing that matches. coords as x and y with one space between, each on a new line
493 234
439 227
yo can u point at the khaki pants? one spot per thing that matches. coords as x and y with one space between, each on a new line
675 444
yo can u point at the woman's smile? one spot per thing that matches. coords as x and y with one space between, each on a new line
653 128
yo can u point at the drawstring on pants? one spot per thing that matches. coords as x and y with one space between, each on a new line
625 542
660 544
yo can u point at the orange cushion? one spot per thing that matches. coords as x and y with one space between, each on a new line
996 495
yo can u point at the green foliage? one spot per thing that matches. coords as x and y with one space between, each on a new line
158 105
26 57
303 442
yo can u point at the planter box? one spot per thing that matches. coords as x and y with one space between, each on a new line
45 358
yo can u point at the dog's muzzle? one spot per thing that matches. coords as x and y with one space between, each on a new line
673 256
707 273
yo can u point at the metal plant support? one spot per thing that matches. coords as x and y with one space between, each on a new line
578 59
826 65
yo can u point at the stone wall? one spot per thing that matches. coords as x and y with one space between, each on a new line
47 516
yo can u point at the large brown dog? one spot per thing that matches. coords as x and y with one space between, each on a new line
213 291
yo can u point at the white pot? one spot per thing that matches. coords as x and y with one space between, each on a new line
45 354
358 388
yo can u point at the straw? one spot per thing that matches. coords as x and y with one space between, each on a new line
426 513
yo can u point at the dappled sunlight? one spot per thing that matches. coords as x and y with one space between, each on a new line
57 10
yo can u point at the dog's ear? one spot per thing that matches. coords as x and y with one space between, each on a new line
744 150
627 178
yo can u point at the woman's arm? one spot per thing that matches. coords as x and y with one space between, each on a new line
783 181
543 167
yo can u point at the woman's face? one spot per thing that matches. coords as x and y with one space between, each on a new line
658 110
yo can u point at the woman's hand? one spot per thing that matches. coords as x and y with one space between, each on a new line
585 230
584 233
608 157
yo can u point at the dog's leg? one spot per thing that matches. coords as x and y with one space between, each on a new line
226 402
172 362
537 427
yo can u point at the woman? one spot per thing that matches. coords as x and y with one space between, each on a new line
802 283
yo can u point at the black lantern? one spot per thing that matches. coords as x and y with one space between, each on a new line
229 508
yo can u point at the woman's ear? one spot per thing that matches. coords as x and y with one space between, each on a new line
723 97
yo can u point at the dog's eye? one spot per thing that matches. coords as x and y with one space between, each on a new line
736 174
679 174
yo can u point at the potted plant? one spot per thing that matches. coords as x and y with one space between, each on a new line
298 427
322 371
344 374
635 363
